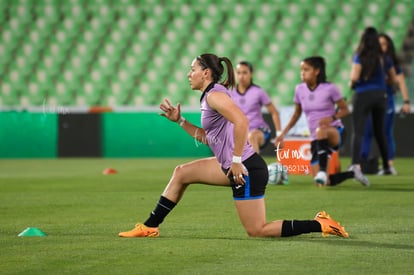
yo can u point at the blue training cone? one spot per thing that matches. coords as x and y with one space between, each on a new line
32 232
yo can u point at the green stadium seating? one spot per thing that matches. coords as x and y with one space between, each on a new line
135 52
396 26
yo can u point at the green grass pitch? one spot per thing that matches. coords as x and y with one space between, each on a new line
81 211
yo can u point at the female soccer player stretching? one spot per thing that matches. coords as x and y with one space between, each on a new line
324 106
235 164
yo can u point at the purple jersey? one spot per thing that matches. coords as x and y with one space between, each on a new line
219 131
251 103
318 104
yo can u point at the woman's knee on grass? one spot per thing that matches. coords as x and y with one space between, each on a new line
255 232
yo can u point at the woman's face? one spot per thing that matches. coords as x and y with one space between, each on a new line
384 44
244 75
308 74
196 75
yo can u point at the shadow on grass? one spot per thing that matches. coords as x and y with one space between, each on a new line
330 241
391 188
368 244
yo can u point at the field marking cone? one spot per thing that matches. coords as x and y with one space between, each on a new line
32 232
109 171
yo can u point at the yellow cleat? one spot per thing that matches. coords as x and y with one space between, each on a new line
330 226
141 230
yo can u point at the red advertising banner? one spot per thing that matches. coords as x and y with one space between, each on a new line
296 155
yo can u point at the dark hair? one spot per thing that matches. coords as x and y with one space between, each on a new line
390 49
369 51
317 62
247 64
213 62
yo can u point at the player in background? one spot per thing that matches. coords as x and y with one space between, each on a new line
235 163
251 99
324 106
388 48
369 72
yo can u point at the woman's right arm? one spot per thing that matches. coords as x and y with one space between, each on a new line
295 117
392 76
174 115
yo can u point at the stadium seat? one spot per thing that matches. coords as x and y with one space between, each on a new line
147 93
3 8
7 45
10 93
85 49
36 91
90 92
376 14
107 60
63 92
120 90
48 12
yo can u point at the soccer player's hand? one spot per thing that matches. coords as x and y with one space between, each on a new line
170 112
237 171
278 142
405 109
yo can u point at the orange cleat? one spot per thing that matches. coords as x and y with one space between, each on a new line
140 230
330 226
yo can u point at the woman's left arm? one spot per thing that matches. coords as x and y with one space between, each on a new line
404 92
275 117
223 104
391 76
342 111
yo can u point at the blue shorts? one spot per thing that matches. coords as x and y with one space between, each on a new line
266 132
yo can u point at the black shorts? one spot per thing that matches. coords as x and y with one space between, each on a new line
256 181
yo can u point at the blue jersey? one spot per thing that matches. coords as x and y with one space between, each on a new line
377 81
220 131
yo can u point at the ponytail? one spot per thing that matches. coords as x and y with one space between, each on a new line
213 62
230 81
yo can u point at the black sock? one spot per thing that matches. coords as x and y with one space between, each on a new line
323 149
337 178
163 207
293 228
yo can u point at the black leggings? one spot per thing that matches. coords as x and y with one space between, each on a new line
364 104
